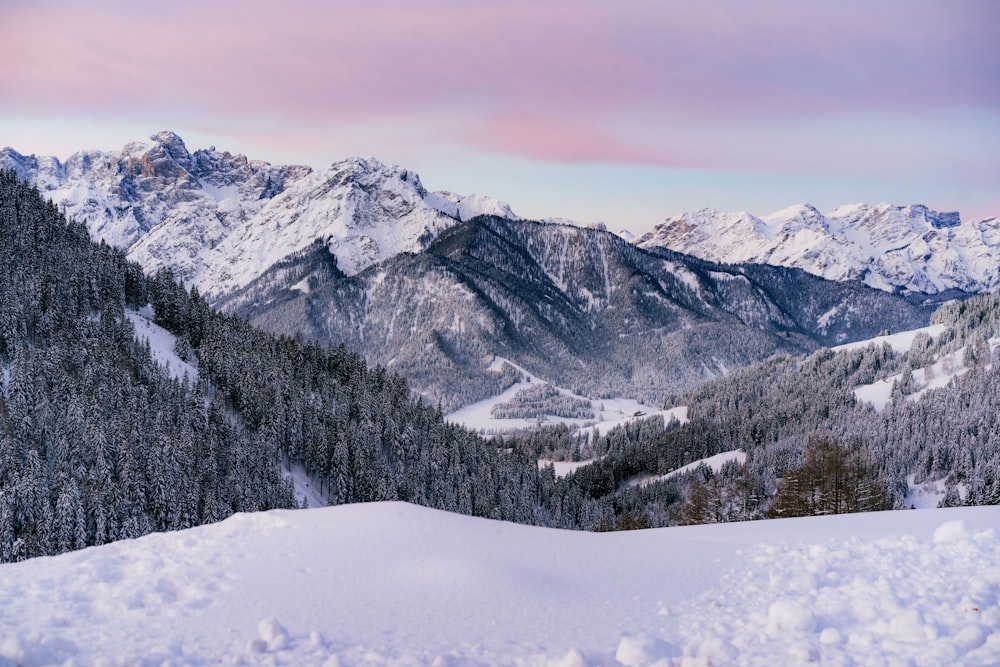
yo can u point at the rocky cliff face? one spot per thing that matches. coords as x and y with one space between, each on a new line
909 248
219 220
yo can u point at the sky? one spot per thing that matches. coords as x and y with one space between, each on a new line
624 112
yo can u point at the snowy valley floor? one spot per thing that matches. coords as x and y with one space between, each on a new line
394 584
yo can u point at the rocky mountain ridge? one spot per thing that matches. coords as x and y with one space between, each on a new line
906 248
219 220
580 307
361 254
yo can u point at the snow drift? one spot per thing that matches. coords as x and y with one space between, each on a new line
395 584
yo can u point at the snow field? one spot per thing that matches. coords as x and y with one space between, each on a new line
394 584
934 376
899 342
844 601
609 412
714 462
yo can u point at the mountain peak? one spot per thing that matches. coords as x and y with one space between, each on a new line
801 211
170 139
246 214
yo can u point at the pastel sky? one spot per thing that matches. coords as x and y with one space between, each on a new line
623 112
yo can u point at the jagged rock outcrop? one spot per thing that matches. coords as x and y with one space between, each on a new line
220 220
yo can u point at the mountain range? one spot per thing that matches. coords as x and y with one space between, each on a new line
219 220
437 286
902 248
580 307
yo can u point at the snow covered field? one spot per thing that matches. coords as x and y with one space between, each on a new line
395 584
714 462
899 342
608 412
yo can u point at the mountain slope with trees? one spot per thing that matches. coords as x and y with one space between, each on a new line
579 307
812 446
98 442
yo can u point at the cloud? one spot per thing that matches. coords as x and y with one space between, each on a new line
711 84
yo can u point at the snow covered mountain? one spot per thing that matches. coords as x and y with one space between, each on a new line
362 254
219 220
580 307
911 248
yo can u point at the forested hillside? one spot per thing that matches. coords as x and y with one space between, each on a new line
812 445
98 442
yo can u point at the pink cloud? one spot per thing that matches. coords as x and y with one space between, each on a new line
565 81
345 60
556 139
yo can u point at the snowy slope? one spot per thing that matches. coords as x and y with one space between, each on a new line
933 376
901 341
394 584
220 220
162 344
888 247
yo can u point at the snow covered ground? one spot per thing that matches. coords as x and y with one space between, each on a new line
563 468
395 584
714 462
608 412
928 494
162 344
934 376
899 342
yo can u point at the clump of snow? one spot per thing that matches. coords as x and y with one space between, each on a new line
790 616
642 649
952 531
273 634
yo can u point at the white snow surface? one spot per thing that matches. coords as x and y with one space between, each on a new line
162 344
899 342
563 468
714 462
932 376
924 496
396 584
